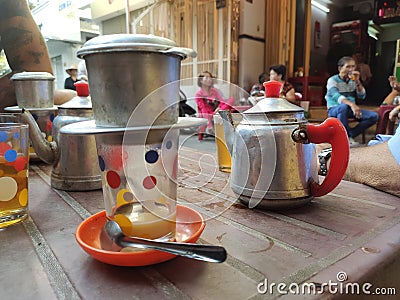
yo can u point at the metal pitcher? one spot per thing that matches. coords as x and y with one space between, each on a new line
274 162
74 157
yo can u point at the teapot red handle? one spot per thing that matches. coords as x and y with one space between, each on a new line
330 131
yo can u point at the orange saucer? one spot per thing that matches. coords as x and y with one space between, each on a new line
189 226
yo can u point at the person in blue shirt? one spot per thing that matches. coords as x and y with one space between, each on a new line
342 91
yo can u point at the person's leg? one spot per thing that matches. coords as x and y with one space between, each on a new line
342 112
202 128
227 104
368 119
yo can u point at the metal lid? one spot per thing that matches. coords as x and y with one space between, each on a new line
133 42
271 105
33 76
77 103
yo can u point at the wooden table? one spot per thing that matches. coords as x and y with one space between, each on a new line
354 229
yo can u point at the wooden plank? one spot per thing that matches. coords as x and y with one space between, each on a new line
311 243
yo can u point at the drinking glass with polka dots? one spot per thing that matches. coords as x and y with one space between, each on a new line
14 163
139 182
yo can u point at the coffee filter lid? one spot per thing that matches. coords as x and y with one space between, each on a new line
273 105
126 42
33 76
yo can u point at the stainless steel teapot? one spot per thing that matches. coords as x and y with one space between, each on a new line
274 162
74 157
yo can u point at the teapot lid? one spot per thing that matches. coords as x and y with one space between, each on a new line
272 102
132 42
33 76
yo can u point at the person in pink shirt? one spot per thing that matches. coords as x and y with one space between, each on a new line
209 101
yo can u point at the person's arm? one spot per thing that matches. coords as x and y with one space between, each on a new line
62 96
390 98
23 45
394 113
291 96
360 90
21 38
394 83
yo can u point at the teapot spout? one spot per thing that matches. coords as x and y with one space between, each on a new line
229 128
47 151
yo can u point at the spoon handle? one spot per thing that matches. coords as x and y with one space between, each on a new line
208 253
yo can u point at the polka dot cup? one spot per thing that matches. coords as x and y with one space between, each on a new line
139 182
14 161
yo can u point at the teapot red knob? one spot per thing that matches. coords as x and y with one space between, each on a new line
82 88
272 88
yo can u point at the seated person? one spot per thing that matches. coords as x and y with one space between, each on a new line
257 90
342 90
362 67
389 100
209 100
24 48
70 81
278 73
369 165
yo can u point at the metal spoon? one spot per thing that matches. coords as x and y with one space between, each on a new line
112 238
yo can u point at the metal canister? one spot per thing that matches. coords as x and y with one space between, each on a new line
125 68
34 89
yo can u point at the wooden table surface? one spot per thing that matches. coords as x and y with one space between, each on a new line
354 230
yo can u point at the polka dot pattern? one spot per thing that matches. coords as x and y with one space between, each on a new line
10 155
3 136
116 158
149 182
124 196
151 156
8 188
13 172
20 163
124 223
4 147
149 168
49 125
23 197
113 179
